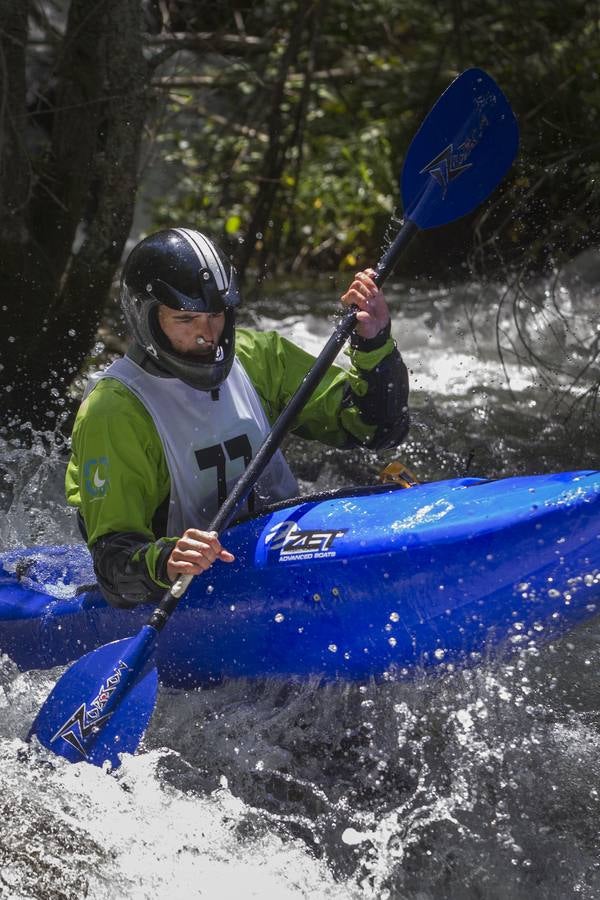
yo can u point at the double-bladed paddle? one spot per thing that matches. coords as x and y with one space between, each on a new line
101 706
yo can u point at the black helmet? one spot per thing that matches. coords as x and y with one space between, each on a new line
184 270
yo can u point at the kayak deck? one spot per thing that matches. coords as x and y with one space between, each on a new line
371 581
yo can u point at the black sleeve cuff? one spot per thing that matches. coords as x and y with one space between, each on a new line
366 344
120 567
161 563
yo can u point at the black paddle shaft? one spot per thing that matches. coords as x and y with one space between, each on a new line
285 420
390 257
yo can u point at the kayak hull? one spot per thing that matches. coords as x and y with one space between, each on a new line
371 582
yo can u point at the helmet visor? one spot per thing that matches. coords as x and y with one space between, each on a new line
205 299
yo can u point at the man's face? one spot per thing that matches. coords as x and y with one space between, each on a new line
192 333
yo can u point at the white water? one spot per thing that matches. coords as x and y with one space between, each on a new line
482 783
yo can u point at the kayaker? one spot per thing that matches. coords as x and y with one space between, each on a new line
164 432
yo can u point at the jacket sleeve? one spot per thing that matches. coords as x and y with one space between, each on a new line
381 394
364 405
117 478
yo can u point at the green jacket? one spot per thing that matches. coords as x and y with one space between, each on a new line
113 424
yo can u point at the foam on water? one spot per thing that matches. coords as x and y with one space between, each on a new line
459 786
76 830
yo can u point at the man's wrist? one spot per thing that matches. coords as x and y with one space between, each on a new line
365 345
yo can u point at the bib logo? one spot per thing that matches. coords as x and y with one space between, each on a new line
95 473
293 543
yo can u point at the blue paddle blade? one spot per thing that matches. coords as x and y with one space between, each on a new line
102 704
461 152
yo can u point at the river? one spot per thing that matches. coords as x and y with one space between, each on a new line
482 783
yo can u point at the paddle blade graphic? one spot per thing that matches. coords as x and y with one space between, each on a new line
461 152
102 704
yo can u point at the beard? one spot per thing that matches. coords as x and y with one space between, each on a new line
205 353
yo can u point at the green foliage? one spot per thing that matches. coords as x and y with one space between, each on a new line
324 217
301 142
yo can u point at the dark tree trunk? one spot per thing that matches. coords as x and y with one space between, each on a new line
280 139
65 216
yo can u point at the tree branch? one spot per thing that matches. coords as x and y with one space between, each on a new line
15 174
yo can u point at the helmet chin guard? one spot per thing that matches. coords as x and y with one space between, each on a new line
184 270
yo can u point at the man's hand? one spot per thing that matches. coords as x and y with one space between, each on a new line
373 314
195 552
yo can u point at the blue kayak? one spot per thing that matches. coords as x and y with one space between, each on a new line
374 581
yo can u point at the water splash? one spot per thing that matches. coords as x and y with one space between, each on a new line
32 500
475 783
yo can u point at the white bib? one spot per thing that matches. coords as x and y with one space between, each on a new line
208 443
